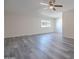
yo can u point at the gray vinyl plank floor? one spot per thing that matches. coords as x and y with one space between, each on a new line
46 46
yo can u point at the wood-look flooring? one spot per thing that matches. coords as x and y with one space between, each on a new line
46 46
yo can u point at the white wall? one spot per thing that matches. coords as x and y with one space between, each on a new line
68 23
17 25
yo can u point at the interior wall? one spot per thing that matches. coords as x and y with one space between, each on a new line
18 25
68 23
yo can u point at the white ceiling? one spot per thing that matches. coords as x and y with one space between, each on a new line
33 6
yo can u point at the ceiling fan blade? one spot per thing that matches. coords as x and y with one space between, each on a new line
44 4
58 5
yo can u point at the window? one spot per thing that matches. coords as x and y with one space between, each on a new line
45 23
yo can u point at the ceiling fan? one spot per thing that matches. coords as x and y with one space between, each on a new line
51 4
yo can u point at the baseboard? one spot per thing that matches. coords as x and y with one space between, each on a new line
68 38
29 35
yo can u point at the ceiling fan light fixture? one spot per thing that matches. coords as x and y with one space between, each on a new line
50 7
